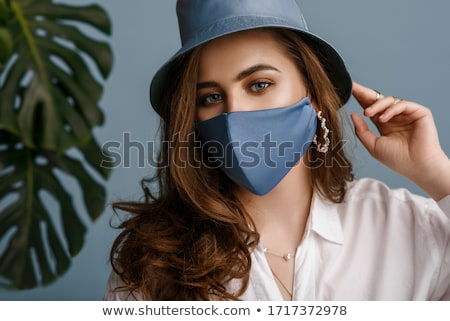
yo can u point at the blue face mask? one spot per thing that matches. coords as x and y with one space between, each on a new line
256 149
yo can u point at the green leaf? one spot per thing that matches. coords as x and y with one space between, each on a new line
6 46
99 51
96 157
50 96
6 41
93 194
49 104
4 11
39 250
92 15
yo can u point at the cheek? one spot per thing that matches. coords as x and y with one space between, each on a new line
293 91
207 113
201 116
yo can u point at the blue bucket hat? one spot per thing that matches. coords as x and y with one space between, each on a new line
204 20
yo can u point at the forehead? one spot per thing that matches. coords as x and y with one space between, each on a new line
239 49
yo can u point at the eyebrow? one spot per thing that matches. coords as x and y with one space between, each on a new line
243 74
247 72
207 84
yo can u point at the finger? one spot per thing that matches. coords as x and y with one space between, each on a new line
364 95
380 106
395 108
365 135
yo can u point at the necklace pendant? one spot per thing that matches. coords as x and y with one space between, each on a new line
287 257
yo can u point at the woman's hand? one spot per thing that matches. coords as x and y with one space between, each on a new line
408 141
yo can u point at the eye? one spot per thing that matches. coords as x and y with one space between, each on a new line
210 99
260 86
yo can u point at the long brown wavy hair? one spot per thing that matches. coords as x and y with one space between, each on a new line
189 238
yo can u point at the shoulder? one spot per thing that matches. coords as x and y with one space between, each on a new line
375 205
403 237
372 205
377 190
379 196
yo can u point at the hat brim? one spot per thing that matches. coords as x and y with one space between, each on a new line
327 55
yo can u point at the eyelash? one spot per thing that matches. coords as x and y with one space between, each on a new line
266 85
202 101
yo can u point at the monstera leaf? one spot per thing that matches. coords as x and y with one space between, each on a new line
49 96
6 42
50 86
27 222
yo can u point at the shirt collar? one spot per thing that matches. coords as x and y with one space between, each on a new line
325 219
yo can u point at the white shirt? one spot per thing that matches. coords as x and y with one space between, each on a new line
379 244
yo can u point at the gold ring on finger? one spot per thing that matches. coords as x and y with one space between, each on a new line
396 100
378 95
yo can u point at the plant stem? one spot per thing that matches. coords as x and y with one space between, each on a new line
30 40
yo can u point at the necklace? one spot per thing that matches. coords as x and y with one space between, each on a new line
281 283
285 257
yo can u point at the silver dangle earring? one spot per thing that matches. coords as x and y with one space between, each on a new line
323 148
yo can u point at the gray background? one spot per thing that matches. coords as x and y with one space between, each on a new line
399 47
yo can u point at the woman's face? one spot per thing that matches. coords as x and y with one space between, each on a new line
246 71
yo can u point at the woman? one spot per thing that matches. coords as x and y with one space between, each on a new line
256 197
